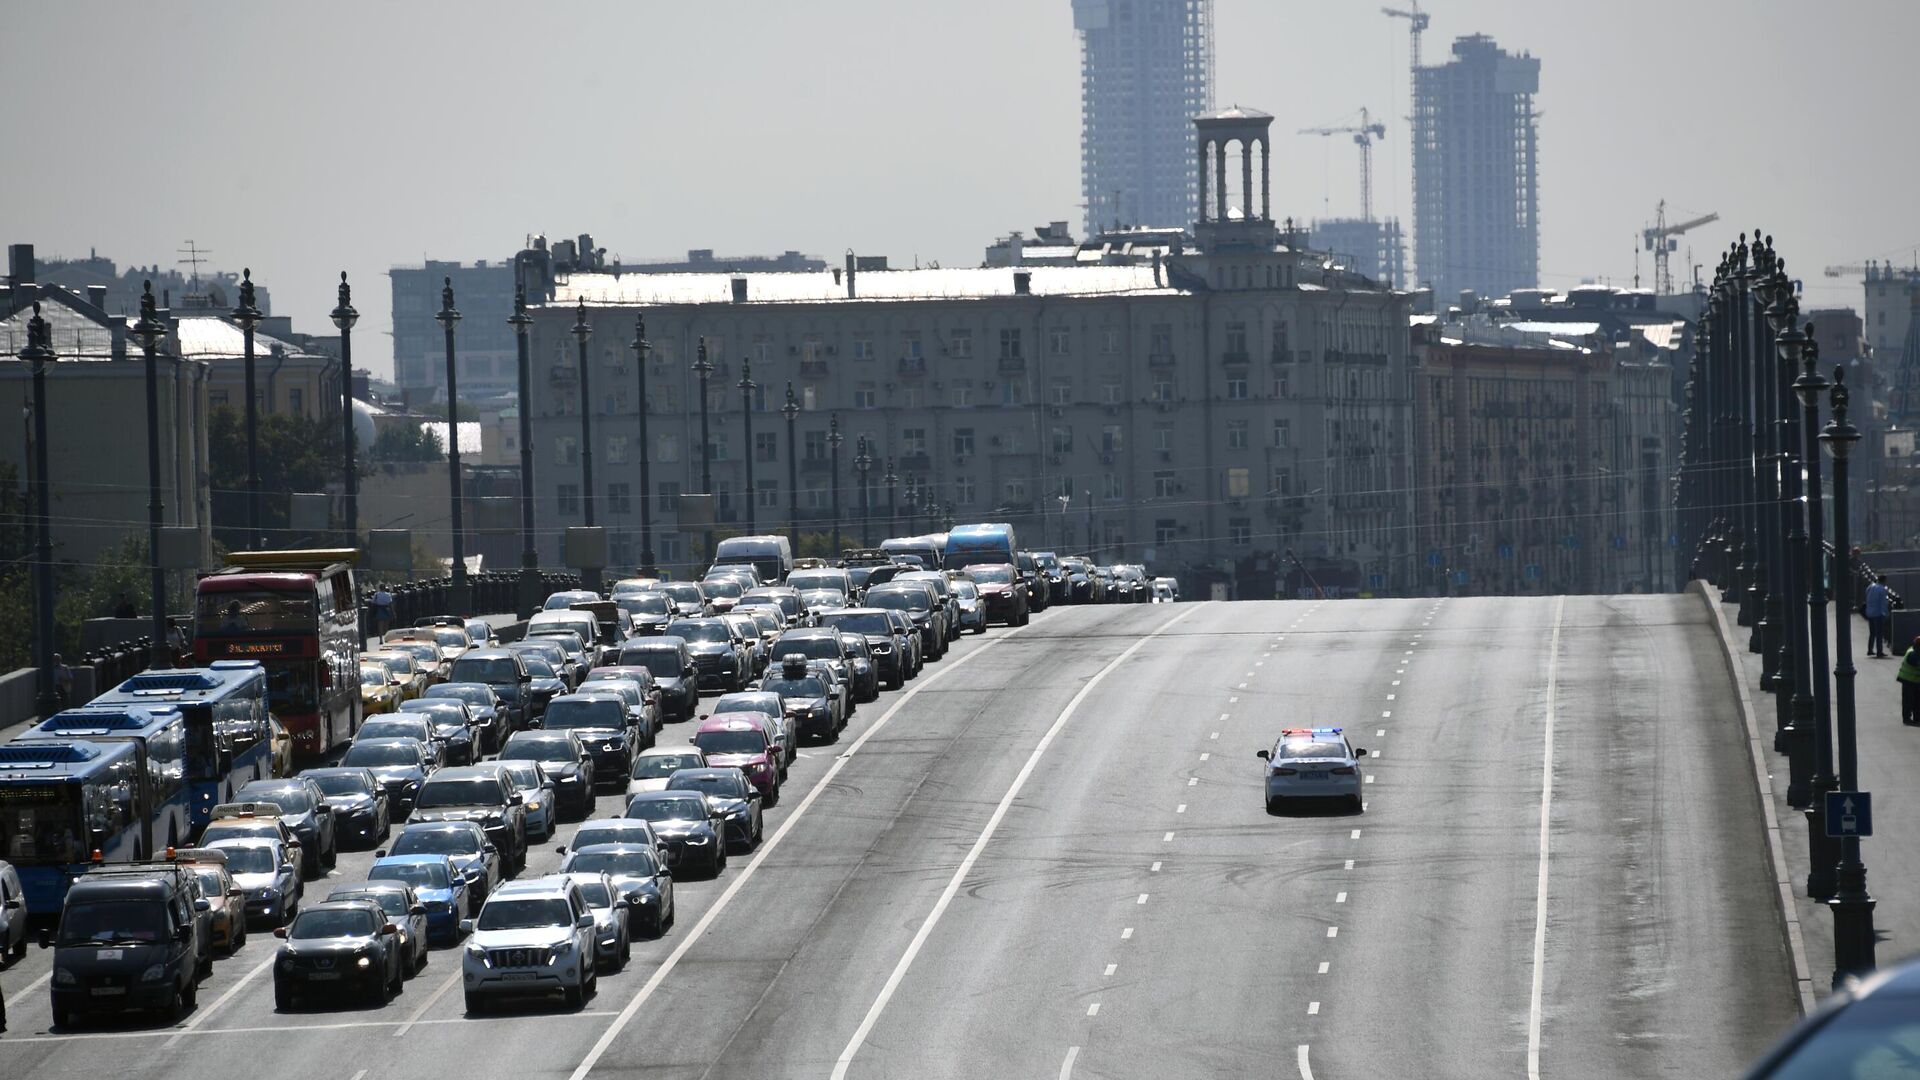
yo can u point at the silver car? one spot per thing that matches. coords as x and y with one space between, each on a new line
532 937
612 946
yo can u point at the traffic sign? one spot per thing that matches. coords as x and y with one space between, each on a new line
1506 551
1459 577
1377 581
1434 557
1849 813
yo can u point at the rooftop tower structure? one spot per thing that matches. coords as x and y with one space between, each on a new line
1476 190
1146 70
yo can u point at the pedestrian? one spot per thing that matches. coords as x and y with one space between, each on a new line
62 681
124 608
1879 612
1909 677
382 605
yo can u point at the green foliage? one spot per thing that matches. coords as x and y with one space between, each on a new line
406 442
296 454
81 592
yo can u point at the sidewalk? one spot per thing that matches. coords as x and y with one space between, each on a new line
1889 765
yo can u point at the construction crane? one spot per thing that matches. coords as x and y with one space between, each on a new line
1417 21
1363 135
1660 239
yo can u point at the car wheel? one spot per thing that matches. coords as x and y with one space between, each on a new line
282 998
397 986
476 1005
332 855
189 997
1273 806
1357 805
719 859
773 796
205 968
577 995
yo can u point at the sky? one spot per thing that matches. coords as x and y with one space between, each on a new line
301 139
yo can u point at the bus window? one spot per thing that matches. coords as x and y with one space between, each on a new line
248 612
39 824
206 743
167 761
292 690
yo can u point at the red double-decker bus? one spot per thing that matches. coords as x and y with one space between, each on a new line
297 613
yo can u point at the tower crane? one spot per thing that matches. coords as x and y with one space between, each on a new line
1660 239
1363 135
1417 23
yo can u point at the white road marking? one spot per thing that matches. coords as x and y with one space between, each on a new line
1259 663
1192 780
1181 809
1155 868
1093 1009
452 978
1223 719
1356 834
766 848
1402 671
1386 714
1396 682
1232 700
1204 757
1377 753
200 1015
1349 864
1111 968
1380 734
1167 839
1126 933
1313 1008
1300 1057
361 1075
1066 1067
154 1033
960 872
1324 965
1339 898
1242 686
1142 900
29 988
1215 735
1390 697
1333 931
1546 821
1409 652
1369 778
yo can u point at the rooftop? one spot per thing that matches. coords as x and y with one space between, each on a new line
934 283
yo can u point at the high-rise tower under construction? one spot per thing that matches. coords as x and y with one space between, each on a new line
1146 70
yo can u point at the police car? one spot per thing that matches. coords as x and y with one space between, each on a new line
1313 763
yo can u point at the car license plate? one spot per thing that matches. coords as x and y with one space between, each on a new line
109 954
517 976
109 991
322 976
1313 776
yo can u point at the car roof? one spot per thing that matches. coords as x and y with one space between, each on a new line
422 857
385 740
660 796
664 751
441 826
354 903
466 772
376 885
544 885
616 849
706 772
721 722
339 770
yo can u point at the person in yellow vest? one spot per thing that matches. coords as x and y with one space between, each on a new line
1909 676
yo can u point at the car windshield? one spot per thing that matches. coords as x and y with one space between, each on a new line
706 632
684 592
595 894
811 647
373 676
113 920
484 669
566 639
530 913
866 622
249 859
654 767
387 729
664 663
391 901
475 792
796 688
604 712
341 783
289 800
210 881
1312 748
420 875
538 667
900 599
747 702
991 575
966 590
539 750
524 774
727 586
731 742
332 923
436 842
380 753
648 603
732 783
633 863
668 809
818 579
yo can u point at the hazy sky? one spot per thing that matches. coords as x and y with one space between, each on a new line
306 138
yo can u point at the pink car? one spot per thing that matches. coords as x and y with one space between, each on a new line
740 741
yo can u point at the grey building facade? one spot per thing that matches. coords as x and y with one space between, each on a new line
1146 70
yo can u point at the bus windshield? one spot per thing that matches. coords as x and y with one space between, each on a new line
258 611
40 824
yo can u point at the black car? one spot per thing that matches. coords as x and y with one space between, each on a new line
566 760
505 672
889 659
493 721
479 793
401 766
917 602
129 938
648 612
547 685
303 808
338 946
689 828
359 802
720 657
673 671
453 726
729 791
605 727
556 656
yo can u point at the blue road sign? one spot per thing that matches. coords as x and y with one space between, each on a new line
1433 557
1533 571
1377 581
1459 577
1849 813
1506 551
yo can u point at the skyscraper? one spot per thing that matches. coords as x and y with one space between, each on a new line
1146 70
1476 192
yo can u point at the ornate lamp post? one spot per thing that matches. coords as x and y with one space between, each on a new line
448 318
833 481
791 410
521 322
1813 732
892 480
1851 904
862 464
641 346
246 317
344 316
704 369
582 331
746 385
38 356
148 330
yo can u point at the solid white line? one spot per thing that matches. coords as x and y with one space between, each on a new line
1066 1067
959 877
200 1015
1546 822
29 988
445 986
766 848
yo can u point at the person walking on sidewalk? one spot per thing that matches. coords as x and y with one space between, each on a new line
1909 677
1879 612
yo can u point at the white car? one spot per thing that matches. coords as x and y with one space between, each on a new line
652 766
532 937
1313 763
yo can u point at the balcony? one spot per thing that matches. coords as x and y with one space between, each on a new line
1235 359
913 366
1013 365
916 462
815 368
1160 360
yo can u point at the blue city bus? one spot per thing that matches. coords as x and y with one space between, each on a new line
60 801
229 735
158 734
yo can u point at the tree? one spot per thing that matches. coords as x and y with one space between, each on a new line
406 442
296 454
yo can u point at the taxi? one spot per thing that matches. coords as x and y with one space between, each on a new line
378 694
250 820
1313 763
225 899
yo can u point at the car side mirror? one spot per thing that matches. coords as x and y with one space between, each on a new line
417 909
620 904
516 799
236 894
380 853
280 931
466 926
202 905
1359 751
584 922
1263 755
326 810
665 872
489 849
562 849
389 928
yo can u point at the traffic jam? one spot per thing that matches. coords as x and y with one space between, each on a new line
629 743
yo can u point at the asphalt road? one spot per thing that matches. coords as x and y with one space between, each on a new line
1049 857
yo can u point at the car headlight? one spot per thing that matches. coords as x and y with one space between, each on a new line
154 973
649 898
365 962
533 804
263 894
696 840
476 952
63 977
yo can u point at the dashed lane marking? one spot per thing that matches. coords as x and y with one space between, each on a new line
1324 965
1126 933
1313 1008
1066 1067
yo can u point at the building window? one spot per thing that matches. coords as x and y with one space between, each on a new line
1280 480
666 449
962 397
670 548
913 440
963 490
1111 487
1109 342
1061 392
1236 434
1236 339
1059 341
812 351
296 400
762 349
863 348
1163 438
961 344
1163 389
1016 492
1112 439
963 442
565 450
910 397
1282 434
1110 393
764 443
567 499
1013 392
620 549
813 446
616 449
1239 483
619 501
910 346
1237 389
1282 351
1161 337
717 447
1062 440
766 494
667 500
863 396
1010 343
1240 531
1163 484
1164 530
1281 387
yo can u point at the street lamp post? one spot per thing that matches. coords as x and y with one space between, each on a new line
521 322
833 481
448 317
582 331
746 386
149 330
344 316
1852 905
791 410
641 346
892 480
704 369
862 464
247 316
1815 729
38 356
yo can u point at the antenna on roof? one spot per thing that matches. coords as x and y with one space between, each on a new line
194 257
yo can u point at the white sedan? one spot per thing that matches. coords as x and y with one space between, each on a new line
1313 763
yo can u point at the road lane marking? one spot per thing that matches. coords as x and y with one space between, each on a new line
1313 1008
1386 714
1167 839
1356 835
1066 1067
1349 864
1369 778
1181 809
1204 757
1192 780
433 999
1111 968
1324 965
768 846
1339 898
1380 734
1093 1009
1155 868
960 872
1232 700
200 1015
1126 933
1300 1058
361 1075
29 988
1396 682
1215 735
1242 686
155 1033
1546 822
1390 697
1333 931
1223 719
1142 900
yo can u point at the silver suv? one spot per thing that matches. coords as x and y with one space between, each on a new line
532 937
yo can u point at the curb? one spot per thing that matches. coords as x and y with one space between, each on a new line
1763 787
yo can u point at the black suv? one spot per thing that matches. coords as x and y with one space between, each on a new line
605 727
341 945
480 793
673 670
503 670
131 936
566 760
